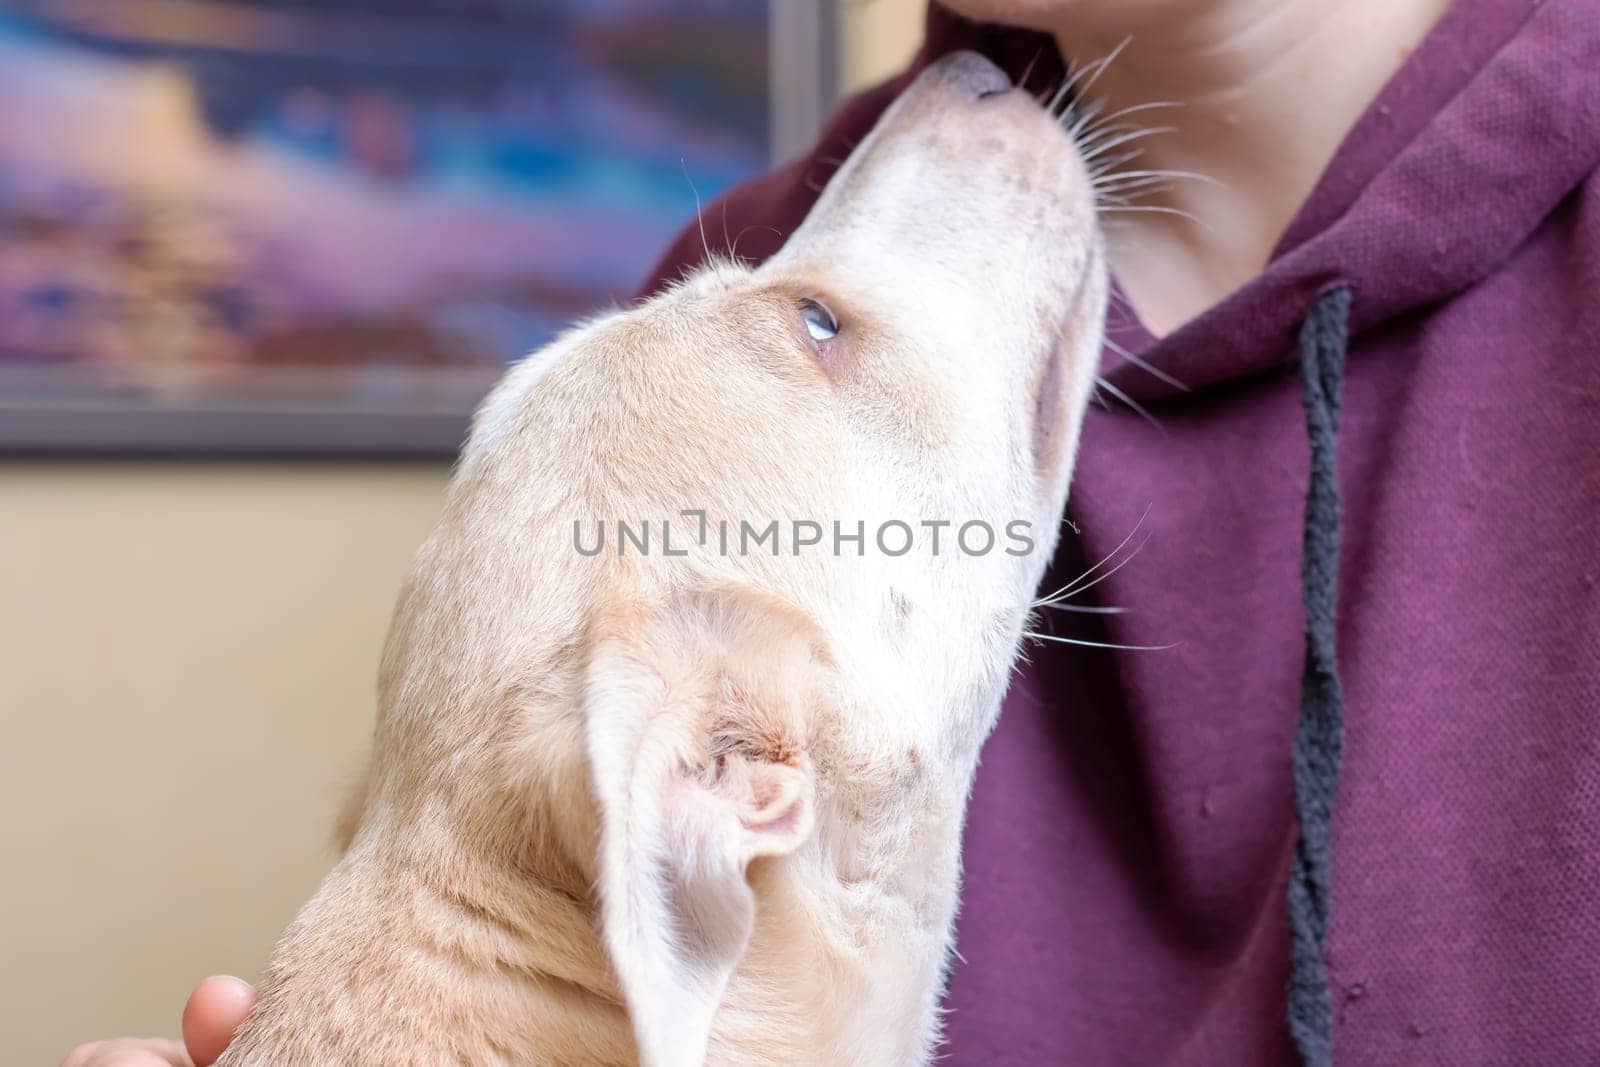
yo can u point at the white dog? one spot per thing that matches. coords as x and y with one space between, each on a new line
703 802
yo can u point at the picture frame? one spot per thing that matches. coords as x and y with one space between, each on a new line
324 227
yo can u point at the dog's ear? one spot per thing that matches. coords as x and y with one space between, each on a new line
696 716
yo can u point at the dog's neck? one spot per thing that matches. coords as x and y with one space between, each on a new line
845 964
852 958
502 952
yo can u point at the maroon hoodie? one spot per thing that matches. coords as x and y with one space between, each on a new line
1136 832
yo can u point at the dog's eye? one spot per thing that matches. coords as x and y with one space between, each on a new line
820 323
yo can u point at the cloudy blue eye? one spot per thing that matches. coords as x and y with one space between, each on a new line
820 323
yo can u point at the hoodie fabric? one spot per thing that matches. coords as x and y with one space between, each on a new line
1151 831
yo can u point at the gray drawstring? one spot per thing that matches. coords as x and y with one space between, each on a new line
1319 736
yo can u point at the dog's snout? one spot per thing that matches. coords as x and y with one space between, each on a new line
973 74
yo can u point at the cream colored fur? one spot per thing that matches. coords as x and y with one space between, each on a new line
674 809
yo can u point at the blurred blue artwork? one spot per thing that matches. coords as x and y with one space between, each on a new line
237 193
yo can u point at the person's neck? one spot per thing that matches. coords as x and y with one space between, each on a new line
1267 90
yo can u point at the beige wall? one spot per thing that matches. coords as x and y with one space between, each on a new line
187 660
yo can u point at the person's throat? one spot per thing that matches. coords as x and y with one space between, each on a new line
1262 94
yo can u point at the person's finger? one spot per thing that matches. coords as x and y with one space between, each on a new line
215 1010
128 1052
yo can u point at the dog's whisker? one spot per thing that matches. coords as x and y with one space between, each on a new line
1120 316
1124 137
699 217
1161 209
1075 71
1133 404
1118 300
1108 164
1067 590
1145 365
1124 188
1085 609
1028 70
740 235
1101 64
1127 198
1116 185
1186 175
1128 183
1083 115
1148 105
1114 136
1084 129
1088 141
1102 164
1058 97
1098 644
1121 307
1082 586
1097 141
1070 90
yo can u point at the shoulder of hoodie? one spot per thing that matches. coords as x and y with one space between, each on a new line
752 220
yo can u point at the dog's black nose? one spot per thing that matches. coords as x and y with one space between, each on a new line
974 73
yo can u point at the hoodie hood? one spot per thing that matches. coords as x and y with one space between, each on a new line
1469 147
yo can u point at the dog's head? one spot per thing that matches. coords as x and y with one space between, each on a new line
741 571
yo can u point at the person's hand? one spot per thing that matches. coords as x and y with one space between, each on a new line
215 1009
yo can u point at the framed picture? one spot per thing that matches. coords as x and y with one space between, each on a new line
323 227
